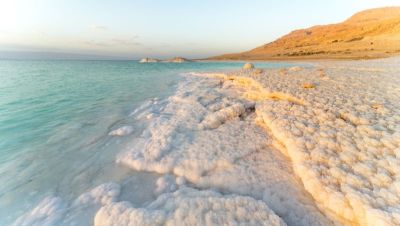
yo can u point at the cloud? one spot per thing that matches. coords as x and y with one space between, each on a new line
98 28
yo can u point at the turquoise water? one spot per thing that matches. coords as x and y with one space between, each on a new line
55 117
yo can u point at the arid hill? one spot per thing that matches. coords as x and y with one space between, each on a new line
371 33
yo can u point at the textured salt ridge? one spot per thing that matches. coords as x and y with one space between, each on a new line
207 134
176 204
189 206
53 210
344 141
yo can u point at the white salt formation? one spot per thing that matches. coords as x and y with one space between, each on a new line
54 211
102 194
344 144
295 68
123 131
165 184
149 60
47 213
207 134
188 206
248 66
219 117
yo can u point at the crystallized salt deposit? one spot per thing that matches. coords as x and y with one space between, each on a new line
295 68
207 134
54 211
344 144
165 184
123 131
101 195
215 119
189 206
176 205
47 213
248 66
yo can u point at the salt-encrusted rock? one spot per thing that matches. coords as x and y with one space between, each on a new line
177 60
172 60
149 60
215 119
248 66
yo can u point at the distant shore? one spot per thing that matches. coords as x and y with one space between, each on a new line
361 56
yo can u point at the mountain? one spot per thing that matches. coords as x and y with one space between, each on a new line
371 33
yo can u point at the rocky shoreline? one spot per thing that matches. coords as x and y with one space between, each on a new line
172 60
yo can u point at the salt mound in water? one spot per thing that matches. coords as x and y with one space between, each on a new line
48 212
54 211
123 131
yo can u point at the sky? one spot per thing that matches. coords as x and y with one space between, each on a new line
160 28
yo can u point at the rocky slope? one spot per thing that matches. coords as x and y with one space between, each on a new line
368 34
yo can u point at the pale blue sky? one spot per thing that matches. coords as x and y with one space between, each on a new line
136 29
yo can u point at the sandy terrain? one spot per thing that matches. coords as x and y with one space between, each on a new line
372 33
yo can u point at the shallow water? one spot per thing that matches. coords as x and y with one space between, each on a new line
55 120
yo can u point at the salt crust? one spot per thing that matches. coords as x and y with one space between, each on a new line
54 211
207 133
184 206
189 206
102 195
47 213
344 144
122 131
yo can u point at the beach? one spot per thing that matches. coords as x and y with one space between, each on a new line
309 144
199 113
338 124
